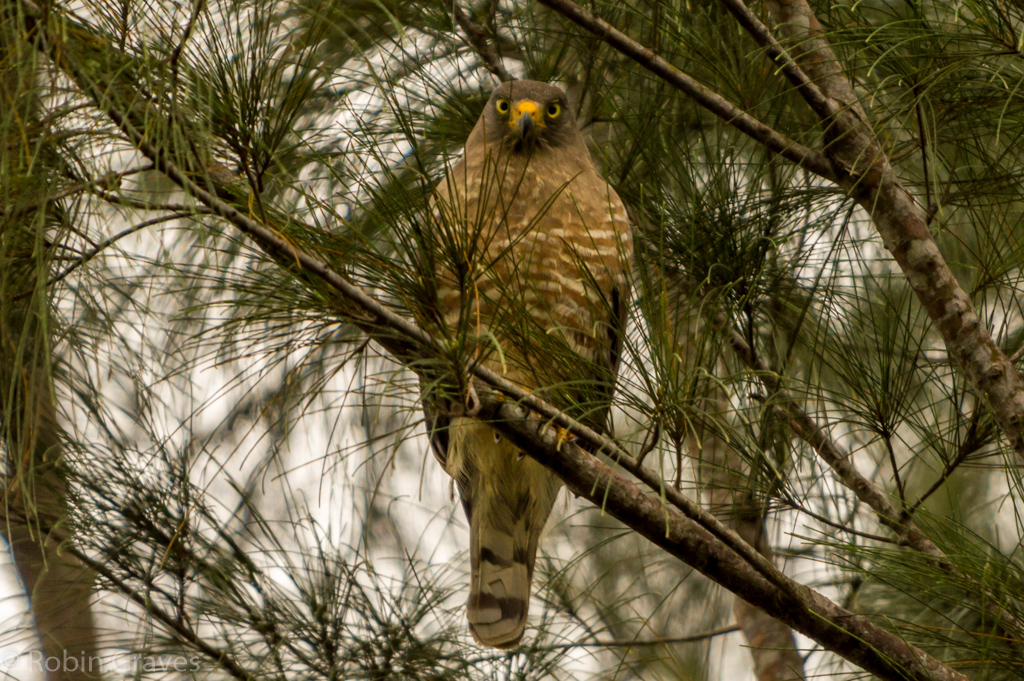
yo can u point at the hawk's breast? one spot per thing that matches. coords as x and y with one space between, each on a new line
548 245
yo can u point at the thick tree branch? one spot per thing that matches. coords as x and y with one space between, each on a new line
901 222
806 158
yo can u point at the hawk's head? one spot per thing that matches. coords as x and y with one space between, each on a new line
530 114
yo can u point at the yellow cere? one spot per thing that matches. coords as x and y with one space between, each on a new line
527 106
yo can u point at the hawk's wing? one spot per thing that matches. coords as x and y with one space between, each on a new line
437 424
435 419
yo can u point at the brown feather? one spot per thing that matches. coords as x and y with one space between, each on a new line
538 249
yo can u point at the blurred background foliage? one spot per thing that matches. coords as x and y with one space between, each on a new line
249 475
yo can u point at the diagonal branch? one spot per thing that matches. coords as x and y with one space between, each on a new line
839 460
476 36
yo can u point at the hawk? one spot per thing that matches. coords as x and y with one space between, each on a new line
535 249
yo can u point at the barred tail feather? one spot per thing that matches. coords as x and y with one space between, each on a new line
507 498
499 595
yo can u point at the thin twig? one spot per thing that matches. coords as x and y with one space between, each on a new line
970 445
106 243
793 503
651 439
219 657
804 426
89 255
669 640
176 55
476 36
90 185
825 107
1016 357
923 136
900 494
118 200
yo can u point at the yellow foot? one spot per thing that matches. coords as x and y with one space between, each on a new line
563 437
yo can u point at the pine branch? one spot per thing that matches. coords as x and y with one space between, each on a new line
840 461
476 36
806 158
900 221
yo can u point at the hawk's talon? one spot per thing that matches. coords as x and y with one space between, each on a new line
472 402
563 437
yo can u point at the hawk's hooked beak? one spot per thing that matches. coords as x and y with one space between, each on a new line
526 118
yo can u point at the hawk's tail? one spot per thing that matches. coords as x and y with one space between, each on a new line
507 498
499 596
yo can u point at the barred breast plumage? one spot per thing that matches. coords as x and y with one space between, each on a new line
536 248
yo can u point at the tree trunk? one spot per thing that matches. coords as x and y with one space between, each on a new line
723 475
36 488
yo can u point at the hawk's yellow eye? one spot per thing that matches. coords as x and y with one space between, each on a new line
554 108
502 106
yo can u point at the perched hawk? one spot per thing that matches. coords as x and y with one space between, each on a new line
534 255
